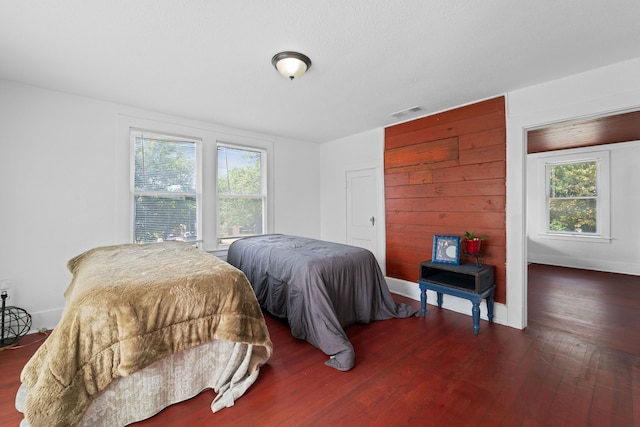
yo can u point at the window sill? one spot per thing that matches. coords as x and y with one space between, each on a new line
220 253
575 238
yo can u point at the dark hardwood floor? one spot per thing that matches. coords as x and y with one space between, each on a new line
576 364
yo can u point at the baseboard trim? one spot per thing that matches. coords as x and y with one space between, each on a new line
449 302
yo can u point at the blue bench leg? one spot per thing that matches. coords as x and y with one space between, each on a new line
440 299
476 317
423 302
490 308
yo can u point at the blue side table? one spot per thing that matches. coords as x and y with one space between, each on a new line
468 281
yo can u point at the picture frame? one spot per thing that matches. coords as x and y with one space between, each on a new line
446 250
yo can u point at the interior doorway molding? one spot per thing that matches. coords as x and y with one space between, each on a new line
518 129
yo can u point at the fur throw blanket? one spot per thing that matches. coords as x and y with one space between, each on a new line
131 305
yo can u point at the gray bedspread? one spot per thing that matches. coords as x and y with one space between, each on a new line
319 287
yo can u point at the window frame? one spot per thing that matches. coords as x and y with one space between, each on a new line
264 196
603 190
133 192
210 135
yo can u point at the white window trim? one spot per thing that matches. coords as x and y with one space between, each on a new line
207 173
603 225
264 156
210 183
198 185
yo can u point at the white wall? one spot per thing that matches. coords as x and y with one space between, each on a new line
602 91
62 172
618 255
607 90
64 169
297 189
357 152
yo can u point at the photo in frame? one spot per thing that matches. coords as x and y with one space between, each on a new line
446 250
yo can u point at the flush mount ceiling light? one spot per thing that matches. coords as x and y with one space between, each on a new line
291 64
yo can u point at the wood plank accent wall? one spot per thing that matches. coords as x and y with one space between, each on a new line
446 174
585 133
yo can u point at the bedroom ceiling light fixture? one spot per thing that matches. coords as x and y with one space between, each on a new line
291 64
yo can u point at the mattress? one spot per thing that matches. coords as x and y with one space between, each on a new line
129 307
319 287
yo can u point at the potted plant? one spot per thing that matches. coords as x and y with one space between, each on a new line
473 242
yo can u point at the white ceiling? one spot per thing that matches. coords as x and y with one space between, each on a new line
211 60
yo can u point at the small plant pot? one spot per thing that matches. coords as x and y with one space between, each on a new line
473 246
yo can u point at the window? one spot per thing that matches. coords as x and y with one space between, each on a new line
573 197
241 191
192 183
576 199
165 196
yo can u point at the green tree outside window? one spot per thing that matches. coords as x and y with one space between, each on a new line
573 197
240 193
165 206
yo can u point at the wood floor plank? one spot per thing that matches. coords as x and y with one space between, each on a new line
576 364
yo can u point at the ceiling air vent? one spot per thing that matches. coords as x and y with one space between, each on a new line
407 112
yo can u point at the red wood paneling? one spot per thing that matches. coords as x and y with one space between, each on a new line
421 154
445 174
450 116
585 133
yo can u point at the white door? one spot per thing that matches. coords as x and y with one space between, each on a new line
362 205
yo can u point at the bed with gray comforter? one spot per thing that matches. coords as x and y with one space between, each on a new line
319 287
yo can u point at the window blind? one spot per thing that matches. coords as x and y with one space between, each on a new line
164 184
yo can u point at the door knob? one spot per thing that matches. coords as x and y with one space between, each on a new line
373 220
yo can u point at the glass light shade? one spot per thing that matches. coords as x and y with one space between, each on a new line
291 67
291 64
5 286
